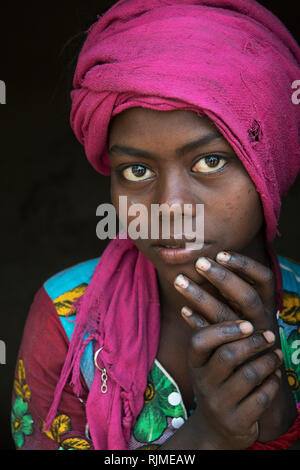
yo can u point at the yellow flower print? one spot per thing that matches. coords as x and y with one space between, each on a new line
63 303
74 443
149 393
60 426
20 386
292 379
290 313
21 420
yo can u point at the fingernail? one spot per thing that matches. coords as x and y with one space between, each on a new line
181 281
246 327
187 312
223 256
203 264
269 336
279 354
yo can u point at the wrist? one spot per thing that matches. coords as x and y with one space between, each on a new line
204 440
207 437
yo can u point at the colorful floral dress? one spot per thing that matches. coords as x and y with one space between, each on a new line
43 349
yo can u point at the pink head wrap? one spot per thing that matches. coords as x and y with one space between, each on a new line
231 60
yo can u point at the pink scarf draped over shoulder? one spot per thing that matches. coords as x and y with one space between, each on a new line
231 60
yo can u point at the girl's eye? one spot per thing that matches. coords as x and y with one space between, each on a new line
210 164
136 173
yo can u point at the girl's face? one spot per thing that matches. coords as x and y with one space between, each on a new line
154 160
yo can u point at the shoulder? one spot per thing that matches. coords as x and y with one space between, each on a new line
67 285
45 338
40 360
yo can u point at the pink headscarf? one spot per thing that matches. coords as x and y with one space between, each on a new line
231 60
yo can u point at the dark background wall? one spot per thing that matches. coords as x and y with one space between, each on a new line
49 191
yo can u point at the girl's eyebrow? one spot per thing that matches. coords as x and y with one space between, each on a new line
180 151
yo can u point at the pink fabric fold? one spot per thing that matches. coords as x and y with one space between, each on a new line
231 60
120 311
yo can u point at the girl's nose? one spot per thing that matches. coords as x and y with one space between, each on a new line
178 213
176 192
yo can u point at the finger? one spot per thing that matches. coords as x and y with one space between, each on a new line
213 310
251 375
207 339
256 404
194 319
232 287
228 357
253 271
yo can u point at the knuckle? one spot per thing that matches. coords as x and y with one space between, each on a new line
269 276
272 361
215 404
251 299
225 355
221 274
222 313
263 399
198 294
256 341
196 341
229 330
244 262
251 374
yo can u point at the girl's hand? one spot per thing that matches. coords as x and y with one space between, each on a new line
231 395
249 291
250 294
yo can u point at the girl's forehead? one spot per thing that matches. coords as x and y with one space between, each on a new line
140 121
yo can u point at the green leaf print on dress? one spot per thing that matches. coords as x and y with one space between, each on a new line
161 399
291 350
21 422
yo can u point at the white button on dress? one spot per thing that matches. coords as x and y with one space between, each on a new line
174 398
177 422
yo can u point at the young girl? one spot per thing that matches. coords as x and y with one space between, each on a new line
154 345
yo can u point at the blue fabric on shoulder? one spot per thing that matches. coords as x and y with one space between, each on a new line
69 278
290 271
63 282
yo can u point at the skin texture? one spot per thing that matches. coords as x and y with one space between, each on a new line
192 347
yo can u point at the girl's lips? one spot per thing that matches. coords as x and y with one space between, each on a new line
179 255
